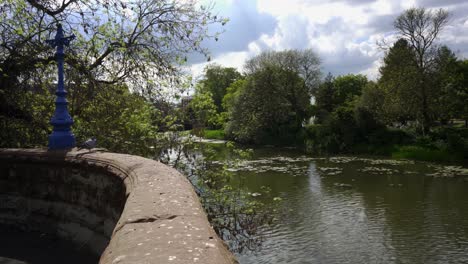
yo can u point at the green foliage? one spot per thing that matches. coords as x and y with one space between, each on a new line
208 104
272 103
213 134
418 28
136 45
453 82
417 95
423 154
324 99
401 101
165 116
26 124
232 92
372 99
336 92
452 140
305 63
342 120
338 133
348 87
390 136
205 111
236 216
120 121
269 108
133 41
216 81
443 144
383 141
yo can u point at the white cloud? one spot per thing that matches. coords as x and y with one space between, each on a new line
229 59
343 32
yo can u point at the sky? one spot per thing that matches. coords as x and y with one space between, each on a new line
344 33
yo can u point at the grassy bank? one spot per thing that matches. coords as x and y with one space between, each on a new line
441 145
411 152
209 134
213 134
427 154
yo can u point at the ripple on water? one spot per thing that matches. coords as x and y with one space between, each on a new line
320 221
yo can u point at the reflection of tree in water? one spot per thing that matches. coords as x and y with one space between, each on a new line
236 215
427 219
415 218
332 210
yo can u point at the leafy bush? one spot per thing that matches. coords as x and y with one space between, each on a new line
338 133
390 136
269 108
121 121
453 140
25 123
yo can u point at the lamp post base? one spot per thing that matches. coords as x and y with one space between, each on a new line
61 140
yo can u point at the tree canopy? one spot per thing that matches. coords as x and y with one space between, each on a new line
140 43
216 80
134 44
402 97
305 63
270 106
421 28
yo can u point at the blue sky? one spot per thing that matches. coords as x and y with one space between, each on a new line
344 33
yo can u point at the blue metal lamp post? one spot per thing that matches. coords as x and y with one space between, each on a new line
62 136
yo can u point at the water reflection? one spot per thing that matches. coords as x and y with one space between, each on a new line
355 210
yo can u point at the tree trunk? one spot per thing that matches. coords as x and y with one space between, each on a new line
424 104
426 119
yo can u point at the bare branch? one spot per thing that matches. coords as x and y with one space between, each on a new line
48 11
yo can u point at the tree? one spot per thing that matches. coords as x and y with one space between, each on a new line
421 28
115 40
453 79
461 92
121 121
446 77
270 107
204 109
335 92
232 92
217 79
398 82
137 43
305 63
324 96
373 100
348 87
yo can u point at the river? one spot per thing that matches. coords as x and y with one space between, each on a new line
356 209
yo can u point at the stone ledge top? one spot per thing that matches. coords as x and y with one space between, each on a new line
162 221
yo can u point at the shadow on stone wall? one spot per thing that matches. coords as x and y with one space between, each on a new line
92 206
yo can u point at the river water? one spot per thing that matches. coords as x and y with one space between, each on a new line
356 209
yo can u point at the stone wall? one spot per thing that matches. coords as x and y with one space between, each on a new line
127 208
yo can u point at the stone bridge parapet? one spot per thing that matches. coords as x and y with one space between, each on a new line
126 208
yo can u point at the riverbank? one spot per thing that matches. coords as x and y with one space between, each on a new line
441 147
214 134
442 144
411 152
